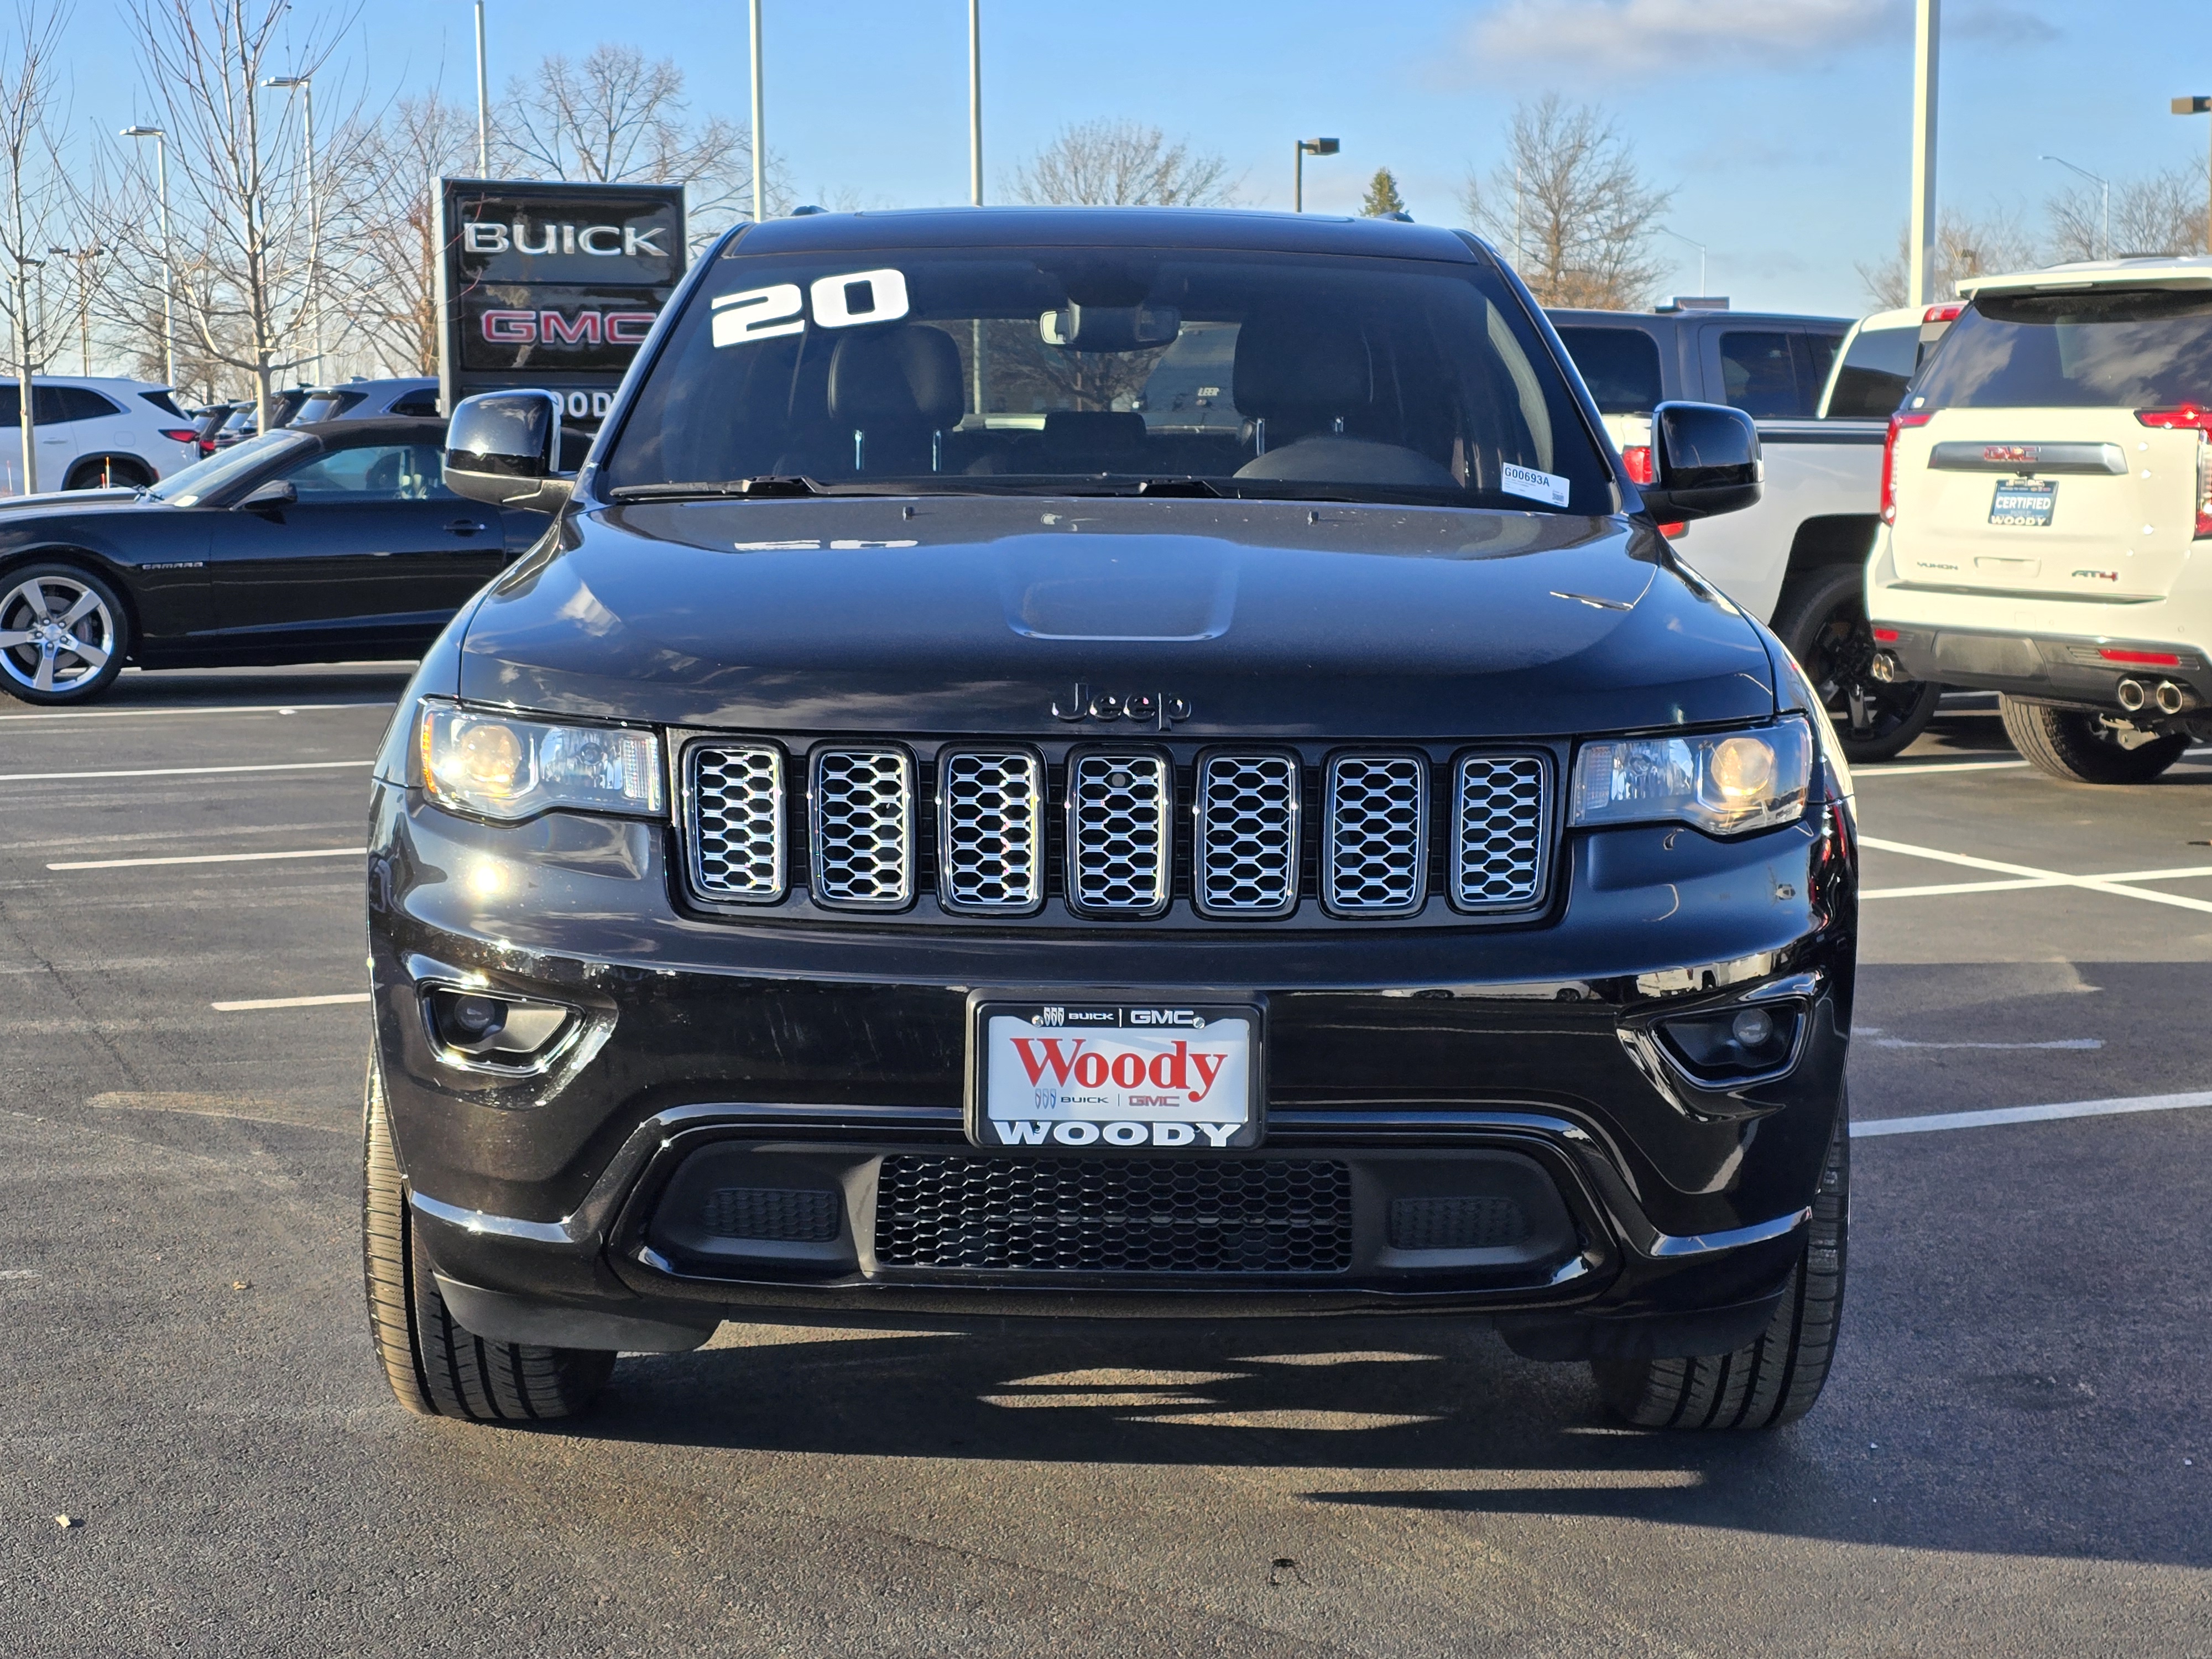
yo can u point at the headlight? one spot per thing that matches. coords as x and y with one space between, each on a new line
1725 782
501 767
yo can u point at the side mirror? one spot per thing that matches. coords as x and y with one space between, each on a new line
1706 459
503 449
278 492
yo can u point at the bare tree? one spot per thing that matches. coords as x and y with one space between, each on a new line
390 221
250 228
34 194
1121 164
1570 208
617 118
2163 213
1964 246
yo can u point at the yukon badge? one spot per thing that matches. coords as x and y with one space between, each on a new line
1080 703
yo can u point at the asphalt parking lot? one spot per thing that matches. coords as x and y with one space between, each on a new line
2013 1457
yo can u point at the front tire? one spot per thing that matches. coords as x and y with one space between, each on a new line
1777 1378
1823 623
64 634
2079 747
436 1367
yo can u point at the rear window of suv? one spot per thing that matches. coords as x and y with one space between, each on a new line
1621 367
2109 349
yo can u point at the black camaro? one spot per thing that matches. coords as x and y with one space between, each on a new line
1106 764
312 544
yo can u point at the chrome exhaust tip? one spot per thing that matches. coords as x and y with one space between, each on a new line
2132 695
2173 698
1885 668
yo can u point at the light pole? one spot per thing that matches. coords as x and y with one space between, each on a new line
83 258
304 84
1919 272
760 145
1306 146
975 103
484 103
2198 106
2101 184
161 175
1700 246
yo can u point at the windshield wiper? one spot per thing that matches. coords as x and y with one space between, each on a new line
767 483
1184 486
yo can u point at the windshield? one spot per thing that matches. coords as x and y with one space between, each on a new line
202 479
1107 369
2110 348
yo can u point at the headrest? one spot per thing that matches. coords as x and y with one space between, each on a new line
1092 432
1300 364
902 376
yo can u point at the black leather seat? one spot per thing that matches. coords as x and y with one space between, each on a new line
1308 383
895 390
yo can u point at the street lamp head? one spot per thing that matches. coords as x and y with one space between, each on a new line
2192 106
143 132
288 80
1318 146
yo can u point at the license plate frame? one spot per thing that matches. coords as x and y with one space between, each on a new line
1110 1023
2024 503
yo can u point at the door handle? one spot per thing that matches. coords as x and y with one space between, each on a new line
464 526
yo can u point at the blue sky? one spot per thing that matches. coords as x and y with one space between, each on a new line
1782 124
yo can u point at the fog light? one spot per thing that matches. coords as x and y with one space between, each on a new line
1728 1045
487 1028
1753 1027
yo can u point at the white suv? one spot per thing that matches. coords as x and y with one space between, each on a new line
93 433
2047 506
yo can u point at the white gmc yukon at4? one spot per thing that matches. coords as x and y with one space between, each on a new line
2047 499
1821 390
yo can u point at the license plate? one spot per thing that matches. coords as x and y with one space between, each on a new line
2024 501
1112 1074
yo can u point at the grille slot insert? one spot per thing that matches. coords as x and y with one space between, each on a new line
1375 845
735 792
1121 838
990 836
862 819
1115 1215
781 1214
1501 811
1247 842
1466 1223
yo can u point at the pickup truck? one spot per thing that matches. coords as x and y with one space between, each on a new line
1821 389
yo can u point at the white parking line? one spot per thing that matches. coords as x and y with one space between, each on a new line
179 771
2188 872
1920 1126
209 858
229 708
1935 766
260 1003
2113 884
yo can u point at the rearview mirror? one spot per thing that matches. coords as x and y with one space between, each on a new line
503 449
1109 328
1706 459
278 492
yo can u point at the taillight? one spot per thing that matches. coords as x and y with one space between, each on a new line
180 434
1637 458
1885 636
2190 417
1947 312
1898 423
2139 659
1672 531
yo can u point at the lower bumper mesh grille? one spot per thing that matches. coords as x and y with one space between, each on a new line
1116 1215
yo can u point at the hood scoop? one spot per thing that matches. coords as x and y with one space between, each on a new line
1152 589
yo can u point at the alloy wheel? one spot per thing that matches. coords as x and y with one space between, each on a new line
1840 661
56 635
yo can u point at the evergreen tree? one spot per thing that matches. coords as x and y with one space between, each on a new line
1383 197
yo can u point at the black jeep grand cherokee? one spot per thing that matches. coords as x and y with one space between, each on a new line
1106 764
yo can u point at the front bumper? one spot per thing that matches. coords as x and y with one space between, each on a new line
1422 1064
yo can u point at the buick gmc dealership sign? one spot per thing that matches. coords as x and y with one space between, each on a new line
551 285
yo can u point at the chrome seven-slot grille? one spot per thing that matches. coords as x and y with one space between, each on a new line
1118 834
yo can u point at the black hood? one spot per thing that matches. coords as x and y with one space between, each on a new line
969 614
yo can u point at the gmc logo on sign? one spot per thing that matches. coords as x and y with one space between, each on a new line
555 328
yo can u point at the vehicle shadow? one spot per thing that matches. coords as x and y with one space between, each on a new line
1415 1416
